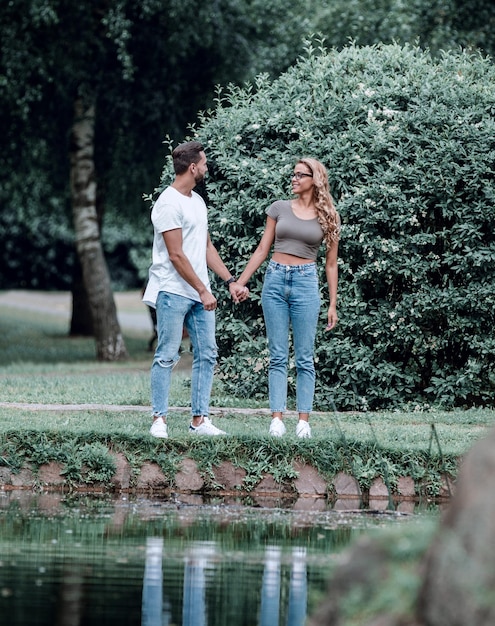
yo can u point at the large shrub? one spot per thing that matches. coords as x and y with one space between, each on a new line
409 143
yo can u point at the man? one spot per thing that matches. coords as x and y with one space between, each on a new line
179 289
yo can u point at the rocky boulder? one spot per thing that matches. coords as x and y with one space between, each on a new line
459 570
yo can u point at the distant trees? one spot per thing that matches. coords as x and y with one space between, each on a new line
134 72
433 24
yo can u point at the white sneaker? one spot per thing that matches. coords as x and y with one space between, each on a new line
303 430
205 428
159 428
277 427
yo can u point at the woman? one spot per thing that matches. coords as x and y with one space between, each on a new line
290 296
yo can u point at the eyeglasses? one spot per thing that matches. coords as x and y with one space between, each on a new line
299 175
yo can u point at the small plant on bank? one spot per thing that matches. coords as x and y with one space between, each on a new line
169 462
97 463
90 464
12 457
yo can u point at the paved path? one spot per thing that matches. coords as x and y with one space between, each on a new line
31 406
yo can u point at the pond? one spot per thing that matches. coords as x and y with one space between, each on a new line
77 560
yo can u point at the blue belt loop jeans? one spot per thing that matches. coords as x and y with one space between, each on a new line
291 299
172 313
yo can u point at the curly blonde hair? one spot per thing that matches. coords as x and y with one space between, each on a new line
328 217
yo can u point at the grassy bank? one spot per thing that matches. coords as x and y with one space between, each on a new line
42 368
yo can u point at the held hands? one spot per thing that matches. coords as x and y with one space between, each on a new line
238 292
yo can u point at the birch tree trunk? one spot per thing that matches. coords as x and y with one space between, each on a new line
110 344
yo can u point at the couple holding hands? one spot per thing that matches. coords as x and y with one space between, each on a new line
179 288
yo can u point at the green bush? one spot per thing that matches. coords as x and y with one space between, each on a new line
409 143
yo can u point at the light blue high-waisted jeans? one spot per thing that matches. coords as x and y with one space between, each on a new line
291 299
172 313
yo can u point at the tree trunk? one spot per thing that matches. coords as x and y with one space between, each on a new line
110 344
81 322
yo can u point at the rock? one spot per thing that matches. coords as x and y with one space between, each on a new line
346 485
229 476
406 487
269 485
378 489
379 496
460 565
25 478
49 474
188 477
309 482
5 476
151 477
122 477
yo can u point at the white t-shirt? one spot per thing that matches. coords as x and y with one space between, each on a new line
174 210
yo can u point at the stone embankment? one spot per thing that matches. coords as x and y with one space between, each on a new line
343 489
307 489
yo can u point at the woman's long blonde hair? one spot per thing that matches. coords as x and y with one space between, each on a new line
328 217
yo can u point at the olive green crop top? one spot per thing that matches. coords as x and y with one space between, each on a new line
293 235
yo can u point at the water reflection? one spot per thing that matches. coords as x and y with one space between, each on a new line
154 611
86 561
70 598
270 596
298 589
196 563
199 558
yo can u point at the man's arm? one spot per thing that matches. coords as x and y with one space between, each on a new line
173 241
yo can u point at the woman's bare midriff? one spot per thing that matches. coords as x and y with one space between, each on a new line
289 259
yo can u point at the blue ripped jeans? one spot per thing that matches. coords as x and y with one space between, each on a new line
291 299
172 313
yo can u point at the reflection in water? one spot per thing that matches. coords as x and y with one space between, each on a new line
197 561
154 613
298 589
70 600
271 588
154 563
270 595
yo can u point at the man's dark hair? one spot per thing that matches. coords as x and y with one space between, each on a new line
185 154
